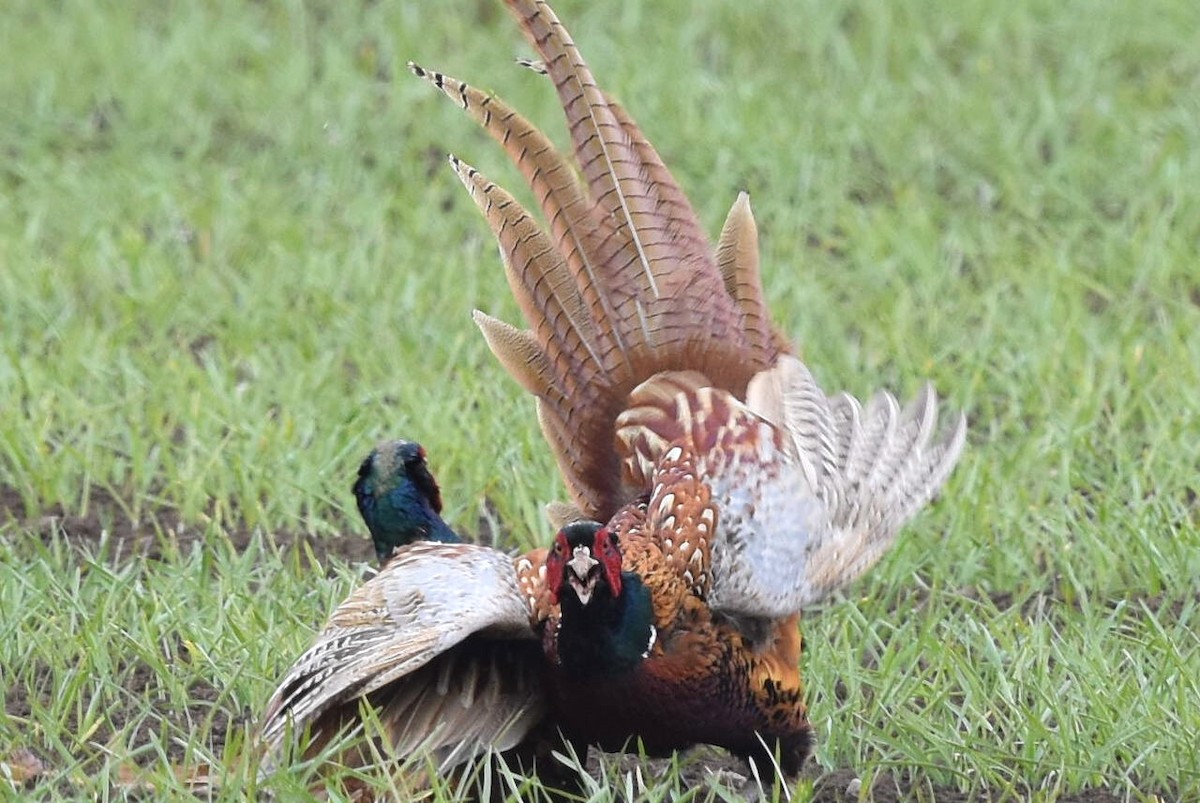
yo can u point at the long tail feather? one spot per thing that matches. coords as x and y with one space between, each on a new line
737 259
602 146
578 231
541 282
624 286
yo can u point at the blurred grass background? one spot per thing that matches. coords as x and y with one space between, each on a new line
232 258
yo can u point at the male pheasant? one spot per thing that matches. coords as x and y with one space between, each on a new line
399 499
717 489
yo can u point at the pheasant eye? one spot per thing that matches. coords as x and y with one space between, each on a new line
606 542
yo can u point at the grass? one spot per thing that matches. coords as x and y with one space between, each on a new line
232 258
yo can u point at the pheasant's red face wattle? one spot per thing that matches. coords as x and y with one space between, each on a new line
608 552
555 564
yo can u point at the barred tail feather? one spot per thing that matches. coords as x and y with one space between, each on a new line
624 285
737 259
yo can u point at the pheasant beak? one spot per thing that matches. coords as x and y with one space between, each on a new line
583 577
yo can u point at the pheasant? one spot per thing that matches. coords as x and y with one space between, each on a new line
399 499
717 490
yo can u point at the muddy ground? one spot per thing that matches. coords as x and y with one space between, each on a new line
162 533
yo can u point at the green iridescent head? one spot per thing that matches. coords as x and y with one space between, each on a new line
399 499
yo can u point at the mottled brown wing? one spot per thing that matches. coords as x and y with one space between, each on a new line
531 580
439 643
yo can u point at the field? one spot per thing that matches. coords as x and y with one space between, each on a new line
232 258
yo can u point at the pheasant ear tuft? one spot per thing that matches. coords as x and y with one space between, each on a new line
560 514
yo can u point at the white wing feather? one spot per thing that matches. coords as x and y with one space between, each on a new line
812 509
404 638
810 490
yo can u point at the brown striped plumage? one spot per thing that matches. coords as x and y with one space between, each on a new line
735 491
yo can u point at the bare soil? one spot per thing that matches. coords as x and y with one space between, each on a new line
143 708
160 533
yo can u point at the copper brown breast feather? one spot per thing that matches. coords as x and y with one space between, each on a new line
729 490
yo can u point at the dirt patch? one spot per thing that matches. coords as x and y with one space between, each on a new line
139 710
844 786
158 532
709 768
141 726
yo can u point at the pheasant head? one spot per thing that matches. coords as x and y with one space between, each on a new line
606 616
399 499
584 564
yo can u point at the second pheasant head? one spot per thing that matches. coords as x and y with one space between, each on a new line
399 499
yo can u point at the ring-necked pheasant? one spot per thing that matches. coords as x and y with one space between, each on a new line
399 499
717 490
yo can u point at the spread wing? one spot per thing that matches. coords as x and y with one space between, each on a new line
440 644
808 490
